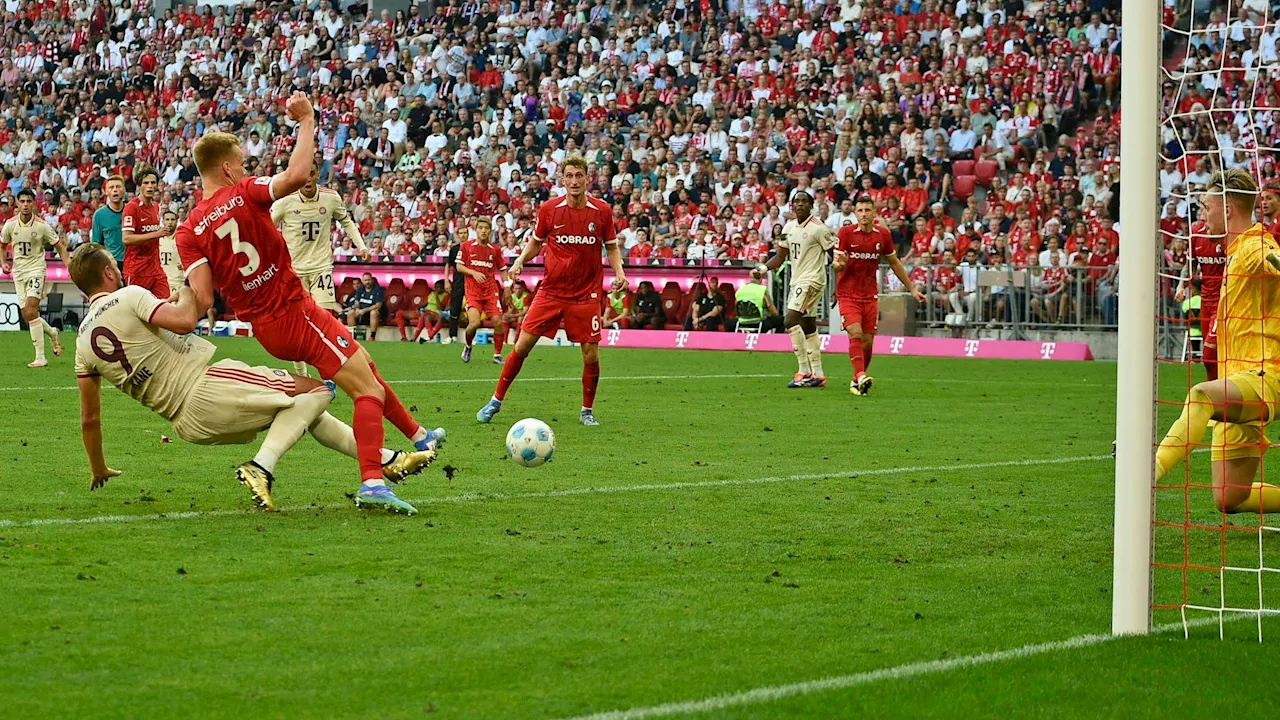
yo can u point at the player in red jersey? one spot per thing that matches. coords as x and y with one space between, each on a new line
1207 262
859 250
229 239
141 232
482 262
572 230
1269 207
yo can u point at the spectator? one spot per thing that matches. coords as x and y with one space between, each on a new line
646 309
364 307
617 309
707 312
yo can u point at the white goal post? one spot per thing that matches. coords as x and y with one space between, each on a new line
1136 368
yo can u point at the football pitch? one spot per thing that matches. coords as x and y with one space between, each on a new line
722 547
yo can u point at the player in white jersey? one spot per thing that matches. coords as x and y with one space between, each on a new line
808 242
135 341
26 235
169 253
306 220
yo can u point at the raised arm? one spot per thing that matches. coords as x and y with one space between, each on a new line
304 149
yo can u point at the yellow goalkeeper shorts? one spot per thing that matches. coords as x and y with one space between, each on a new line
1247 440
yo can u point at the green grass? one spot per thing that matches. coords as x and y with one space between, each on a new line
506 599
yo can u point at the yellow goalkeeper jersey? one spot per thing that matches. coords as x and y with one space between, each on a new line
1248 321
28 241
307 226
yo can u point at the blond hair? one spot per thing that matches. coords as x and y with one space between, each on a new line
114 178
87 264
482 219
1238 186
574 161
212 148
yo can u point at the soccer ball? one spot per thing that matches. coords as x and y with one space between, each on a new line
530 442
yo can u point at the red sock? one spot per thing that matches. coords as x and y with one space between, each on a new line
866 357
498 339
394 410
855 357
367 424
1209 356
510 369
590 380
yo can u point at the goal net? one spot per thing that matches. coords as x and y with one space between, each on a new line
1218 102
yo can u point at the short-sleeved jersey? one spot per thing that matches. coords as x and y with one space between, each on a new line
486 260
860 279
169 260
28 241
307 227
106 230
1208 261
231 231
807 244
149 364
573 240
1249 312
138 218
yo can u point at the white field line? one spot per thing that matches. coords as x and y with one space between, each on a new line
774 693
651 487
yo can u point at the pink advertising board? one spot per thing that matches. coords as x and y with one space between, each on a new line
884 344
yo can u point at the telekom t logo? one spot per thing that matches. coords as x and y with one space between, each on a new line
971 347
1046 350
825 339
895 345
752 339
614 336
681 339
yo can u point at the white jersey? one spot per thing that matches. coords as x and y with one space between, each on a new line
149 364
307 226
170 262
807 245
28 241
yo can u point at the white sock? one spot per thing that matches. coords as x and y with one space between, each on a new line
374 482
813 348
49 330
419 436
289 426
797 346
37 337
300 368
338 436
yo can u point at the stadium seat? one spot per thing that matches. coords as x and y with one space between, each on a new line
730 301
347 287
964 186
672 301
742 309
985 171
962 167
395 303
395 287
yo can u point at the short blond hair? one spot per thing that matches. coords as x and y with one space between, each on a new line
482 219
212 148
1238 186
114 178
575 161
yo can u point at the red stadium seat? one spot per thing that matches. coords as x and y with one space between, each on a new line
730 301
395 287
672 301
395 303
985 171
964 186
962 167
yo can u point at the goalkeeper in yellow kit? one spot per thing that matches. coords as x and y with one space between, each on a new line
1248 327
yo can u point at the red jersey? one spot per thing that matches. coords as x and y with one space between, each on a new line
860 279
144 259
573 240
1210 261
232 231
486 260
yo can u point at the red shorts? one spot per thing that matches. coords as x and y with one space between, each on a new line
487 305
863 312
157 285
581 319
1209 321
308 333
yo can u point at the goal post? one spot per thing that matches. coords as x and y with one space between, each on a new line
1136 367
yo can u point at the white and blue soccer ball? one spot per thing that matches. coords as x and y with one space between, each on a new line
530 442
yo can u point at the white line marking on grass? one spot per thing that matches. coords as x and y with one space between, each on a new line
651 487
778 692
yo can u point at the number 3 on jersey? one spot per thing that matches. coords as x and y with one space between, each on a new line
231 229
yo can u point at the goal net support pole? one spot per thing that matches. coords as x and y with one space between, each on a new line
1136 369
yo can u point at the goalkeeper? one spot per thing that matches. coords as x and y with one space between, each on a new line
1248 327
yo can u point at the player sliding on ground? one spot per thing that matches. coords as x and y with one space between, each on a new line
808 242
573 229
859 250
229 239
306 219
1248 395
26 234
133 340
482 262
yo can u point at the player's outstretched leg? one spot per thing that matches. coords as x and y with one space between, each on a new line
590 381
394 411
286 429
357 379
397 466
510 369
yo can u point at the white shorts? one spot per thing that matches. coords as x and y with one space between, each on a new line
805 299
176 281
319 285
232 403
30 286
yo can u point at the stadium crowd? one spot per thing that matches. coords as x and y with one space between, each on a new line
984 126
